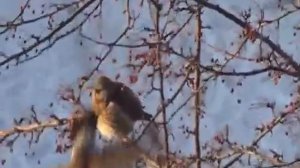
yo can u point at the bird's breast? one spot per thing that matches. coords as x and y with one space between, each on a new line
113 123
106 129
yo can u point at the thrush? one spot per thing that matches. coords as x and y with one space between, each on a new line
105 90
117 106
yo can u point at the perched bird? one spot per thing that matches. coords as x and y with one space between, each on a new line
117 108
105 90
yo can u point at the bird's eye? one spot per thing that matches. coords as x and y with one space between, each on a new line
97 91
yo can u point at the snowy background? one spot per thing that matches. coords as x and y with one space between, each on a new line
38 81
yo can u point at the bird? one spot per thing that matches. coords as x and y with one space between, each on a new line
105 91
117 108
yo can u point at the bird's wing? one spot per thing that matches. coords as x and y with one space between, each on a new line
128 101
130 95
115 113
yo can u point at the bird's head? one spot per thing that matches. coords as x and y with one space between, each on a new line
102 83
103 89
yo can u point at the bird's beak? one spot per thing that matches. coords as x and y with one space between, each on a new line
88 87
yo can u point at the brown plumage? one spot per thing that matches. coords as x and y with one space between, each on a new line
106 90
85 154
117 108
114 123
83 131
